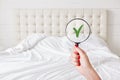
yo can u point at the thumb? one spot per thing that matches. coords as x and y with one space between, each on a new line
80 51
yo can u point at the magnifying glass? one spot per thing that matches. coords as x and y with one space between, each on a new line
78 31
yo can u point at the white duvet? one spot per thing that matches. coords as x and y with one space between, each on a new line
40 57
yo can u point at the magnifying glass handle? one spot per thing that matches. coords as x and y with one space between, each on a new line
76 45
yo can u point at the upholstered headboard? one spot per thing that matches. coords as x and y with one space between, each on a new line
53 21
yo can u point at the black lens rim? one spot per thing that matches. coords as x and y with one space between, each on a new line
88 27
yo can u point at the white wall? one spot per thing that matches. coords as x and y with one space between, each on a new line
113 7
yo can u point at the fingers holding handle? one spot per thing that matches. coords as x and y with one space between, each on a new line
77 55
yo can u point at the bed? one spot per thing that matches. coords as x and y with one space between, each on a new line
42 51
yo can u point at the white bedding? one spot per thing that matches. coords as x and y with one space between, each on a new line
40 57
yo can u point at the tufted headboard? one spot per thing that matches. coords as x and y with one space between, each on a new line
53 21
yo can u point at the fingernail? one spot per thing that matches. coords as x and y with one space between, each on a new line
76 45
78 57
76 53
78 64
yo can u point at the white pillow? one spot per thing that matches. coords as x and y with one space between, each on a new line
93 42
27 43
62 43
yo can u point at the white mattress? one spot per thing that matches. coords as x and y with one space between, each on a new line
40 57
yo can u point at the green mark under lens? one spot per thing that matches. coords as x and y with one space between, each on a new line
77 31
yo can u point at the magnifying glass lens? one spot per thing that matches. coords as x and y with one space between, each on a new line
78 30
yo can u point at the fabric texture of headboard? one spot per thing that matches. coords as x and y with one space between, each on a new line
53 21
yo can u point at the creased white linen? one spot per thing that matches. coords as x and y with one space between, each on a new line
40 57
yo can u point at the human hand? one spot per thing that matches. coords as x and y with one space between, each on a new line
82 63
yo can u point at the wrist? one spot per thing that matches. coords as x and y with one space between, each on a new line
91 74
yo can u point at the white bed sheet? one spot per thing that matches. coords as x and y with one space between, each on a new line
40 57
